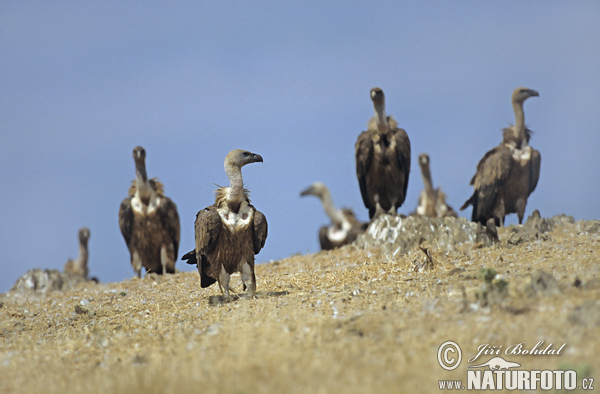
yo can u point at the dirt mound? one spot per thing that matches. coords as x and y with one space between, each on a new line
362 318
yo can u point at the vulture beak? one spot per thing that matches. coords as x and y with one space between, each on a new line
307 192
534 93
257 158
138 152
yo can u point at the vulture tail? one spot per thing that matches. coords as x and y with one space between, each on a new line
190 257
470 201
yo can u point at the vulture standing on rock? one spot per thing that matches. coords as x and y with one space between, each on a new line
344 228
230 232
80 266
432 202
149 222
507 174
382 161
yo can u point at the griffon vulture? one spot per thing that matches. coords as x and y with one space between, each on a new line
230 232
507 174
79 266
42 281
344 226
149 222
382 161
432 202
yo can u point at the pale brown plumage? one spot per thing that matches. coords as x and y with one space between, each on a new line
230 232
382 161
507 174
344 228
149 222
432 202
80 265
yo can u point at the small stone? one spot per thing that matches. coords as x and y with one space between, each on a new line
84 310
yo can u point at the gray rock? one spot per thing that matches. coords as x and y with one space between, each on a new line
395 235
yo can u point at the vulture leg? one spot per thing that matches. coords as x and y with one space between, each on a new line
164 259
521 209
249 279
378 208
224 283
137 264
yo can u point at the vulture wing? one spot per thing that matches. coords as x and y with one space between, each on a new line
492 172
170 219
208 228
126 220
364 155
324 241
260 231
403 156
536 161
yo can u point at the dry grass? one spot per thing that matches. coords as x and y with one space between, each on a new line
341 321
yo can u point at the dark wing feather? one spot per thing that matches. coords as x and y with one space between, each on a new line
528 134
471 201
190 257
536 162
260 231
208 228
492 172
126 220
170 220
364 155
478 174
403 156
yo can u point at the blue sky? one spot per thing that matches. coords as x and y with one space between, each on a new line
83 83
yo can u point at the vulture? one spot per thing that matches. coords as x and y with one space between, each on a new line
344 226
230 232
149 222
42 281
432 202
382 161
79 266
507 174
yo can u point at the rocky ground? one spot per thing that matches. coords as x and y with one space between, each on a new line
369 317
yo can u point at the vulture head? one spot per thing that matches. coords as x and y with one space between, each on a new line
317 189
521 94
84 235
239 158
139 156
378 97
423 160
425 171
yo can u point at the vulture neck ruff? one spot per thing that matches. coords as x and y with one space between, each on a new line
145 199
339 234
235 221
232 202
